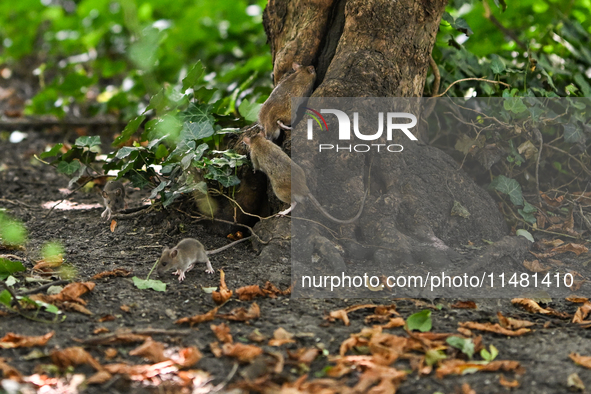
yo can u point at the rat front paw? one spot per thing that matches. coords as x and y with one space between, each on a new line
210 270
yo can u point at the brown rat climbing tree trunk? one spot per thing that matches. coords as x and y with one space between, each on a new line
381 48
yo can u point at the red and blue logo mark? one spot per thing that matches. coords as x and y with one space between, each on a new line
317 117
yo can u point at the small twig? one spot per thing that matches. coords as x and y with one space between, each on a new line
242 210
106 339
200 218
227 380
539 137
488 15
571 156
14 299
472 79
44 287
11 256
436 75
17 203
143 210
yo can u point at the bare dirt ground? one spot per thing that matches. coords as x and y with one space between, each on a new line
135 244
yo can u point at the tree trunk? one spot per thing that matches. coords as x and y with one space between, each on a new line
381 48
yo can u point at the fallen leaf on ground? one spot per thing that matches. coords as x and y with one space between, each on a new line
247 293
110 353
198 318
584 361
513 324
216 349
9 372
99 378
101 330
257 336
459 367
73 356
577 299
394 323
113 225
150 350
70 293
510 384
466 389
11 340
117 337
533 307
570 247
142 372
241 314
222 332
339 314
304 355
281 337
187 357
224 294
464 305
574 380
244 353
114 273
580 315
495 328
535 266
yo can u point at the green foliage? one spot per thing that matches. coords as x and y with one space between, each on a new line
489 356
152 284
420 321
12 232
8 267
104 56
465 345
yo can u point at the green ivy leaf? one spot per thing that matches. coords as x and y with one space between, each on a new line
459 24
249 111
466 345
88 141
515 105
126 151
6 298
68 168
52 152
526 234
152 284
509 187
573 134
9 267
420 321
497 66
129 130
193 76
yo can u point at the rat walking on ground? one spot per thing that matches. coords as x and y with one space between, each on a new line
270 159
114 198
185 254
275 113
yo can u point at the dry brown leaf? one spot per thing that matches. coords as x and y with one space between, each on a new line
222 332
272 291
99 378
495 328
466 389
151 350
577 299
11 340
101 330
465 332
244 353
535 266
583 198
224 294
394 323
113 225
533 307
106 318
247 293
513 324
340 314
9 372
281 337
76 307
304 355
187 357
581 313
73 356
510 384
553 202
114 273
216 349
464 305
257 336
110 353
209 316
241 314
570 247
458 367
583 361
142 372
118 337
125 308
552 243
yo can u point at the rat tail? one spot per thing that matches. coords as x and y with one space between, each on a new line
329 216
227 246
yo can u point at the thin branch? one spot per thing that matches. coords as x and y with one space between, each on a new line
472 79
511 34
571 156
436 74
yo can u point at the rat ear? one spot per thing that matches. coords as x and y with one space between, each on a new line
173 253
246 140
295 66
104 194
118 192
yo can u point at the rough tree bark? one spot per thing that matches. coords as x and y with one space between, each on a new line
381 48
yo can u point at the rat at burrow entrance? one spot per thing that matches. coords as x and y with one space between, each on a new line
288 180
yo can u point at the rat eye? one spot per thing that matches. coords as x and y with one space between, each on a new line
163 263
